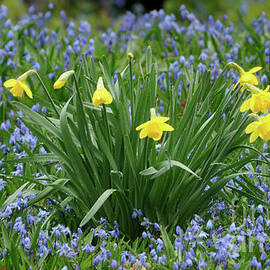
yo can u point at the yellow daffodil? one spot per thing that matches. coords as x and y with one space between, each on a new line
101 95
19 85
60 82
245 76
154 127
259 128
259 102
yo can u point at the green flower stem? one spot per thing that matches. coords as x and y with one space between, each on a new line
236 66
48 95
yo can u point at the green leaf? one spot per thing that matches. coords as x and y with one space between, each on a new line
36 119
168 246
148 171
14 256
99 203
171 163
148 59
14 196
165 166
36 158
48 191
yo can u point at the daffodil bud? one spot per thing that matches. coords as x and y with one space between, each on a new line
130 55
60 82
101 95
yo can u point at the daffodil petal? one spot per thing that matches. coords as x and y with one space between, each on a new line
254 70
154 127
102 97
254 136
17 90
143 133
26 89
267 88
245 106
166 127
108 98
162 119
251 127
142 125
10 83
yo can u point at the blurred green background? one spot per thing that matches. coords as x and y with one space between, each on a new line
104 11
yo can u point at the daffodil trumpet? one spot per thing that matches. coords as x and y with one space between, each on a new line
61 81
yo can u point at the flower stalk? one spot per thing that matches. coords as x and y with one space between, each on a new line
48 94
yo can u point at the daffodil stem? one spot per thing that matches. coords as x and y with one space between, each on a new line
48 95
131 90
236 66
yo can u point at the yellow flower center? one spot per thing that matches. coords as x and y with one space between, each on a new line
154 130
100 100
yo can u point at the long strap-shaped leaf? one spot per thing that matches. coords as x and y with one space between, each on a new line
101 200
36 119
72 150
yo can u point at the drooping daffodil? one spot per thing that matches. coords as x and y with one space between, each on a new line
60 82
259 128
101 95
154 127
18 86
245 76
258 102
